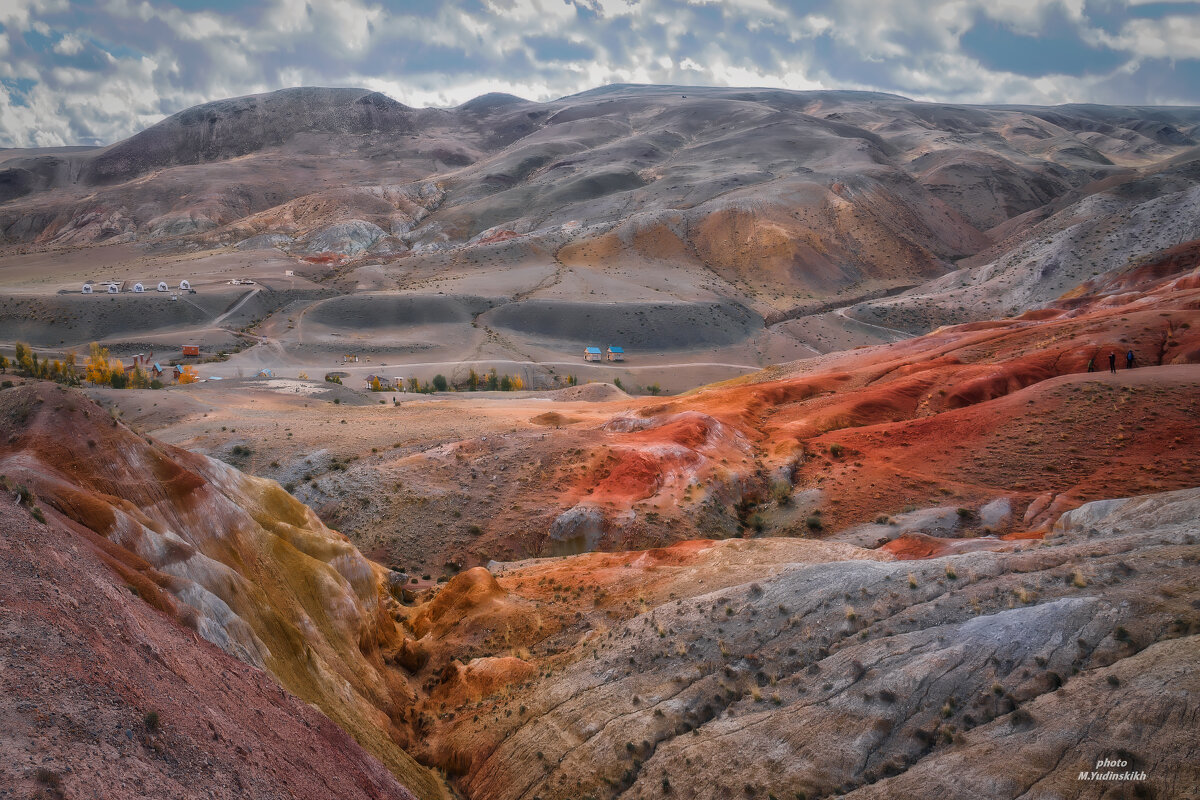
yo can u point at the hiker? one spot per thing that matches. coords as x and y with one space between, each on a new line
1112 363
1092 364
1129 360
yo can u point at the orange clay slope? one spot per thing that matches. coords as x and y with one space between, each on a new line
992 411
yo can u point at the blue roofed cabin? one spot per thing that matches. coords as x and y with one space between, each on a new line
591 354
616 353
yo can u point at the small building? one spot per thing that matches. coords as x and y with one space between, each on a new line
616 353
289 273
349 358
138 288
113 288
87 288
158 370
191 351
184 285
384 384
162 286
591 354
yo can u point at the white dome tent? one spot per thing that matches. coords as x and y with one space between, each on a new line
185 285
162 286
113 288
87 288
139 288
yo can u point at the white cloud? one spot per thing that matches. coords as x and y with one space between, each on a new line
156 58
1174 36
23 14
69 45
612 8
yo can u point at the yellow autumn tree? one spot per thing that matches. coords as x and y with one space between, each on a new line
99 370
187 374
25 359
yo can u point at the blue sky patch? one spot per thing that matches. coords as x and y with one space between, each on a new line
1056 50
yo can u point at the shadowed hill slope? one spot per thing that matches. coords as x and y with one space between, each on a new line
105 696
233 558
243 125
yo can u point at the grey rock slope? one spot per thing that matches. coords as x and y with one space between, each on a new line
784 196
1122 220
228 129
990 674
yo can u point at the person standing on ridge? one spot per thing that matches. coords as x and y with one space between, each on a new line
1092 364
1112 363
1129 360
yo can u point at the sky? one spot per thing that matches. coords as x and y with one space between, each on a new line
94 72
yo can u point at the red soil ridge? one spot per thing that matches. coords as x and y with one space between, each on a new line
949 417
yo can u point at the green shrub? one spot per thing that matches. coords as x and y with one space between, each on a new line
51 780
